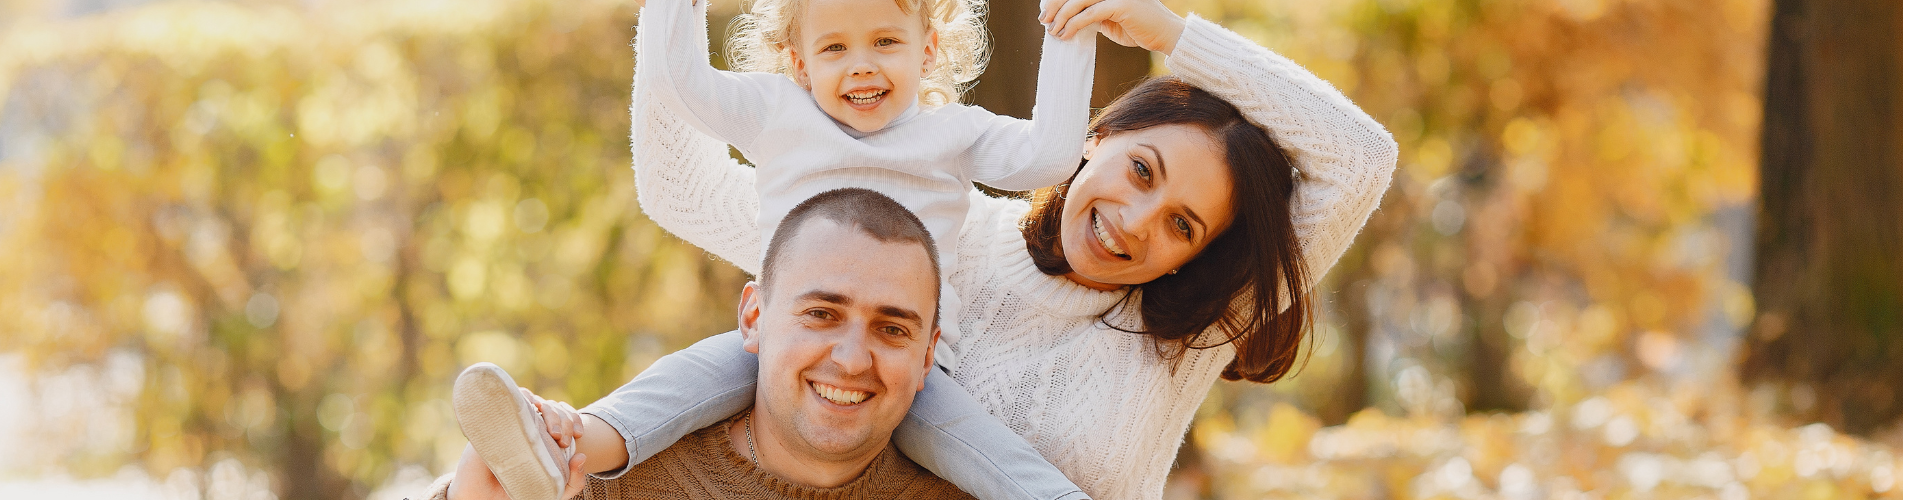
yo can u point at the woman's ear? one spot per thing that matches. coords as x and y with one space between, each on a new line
1086 149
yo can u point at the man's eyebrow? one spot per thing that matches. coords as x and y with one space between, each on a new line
824 296
899 312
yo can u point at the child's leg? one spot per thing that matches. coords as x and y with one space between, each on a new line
950 434
683 392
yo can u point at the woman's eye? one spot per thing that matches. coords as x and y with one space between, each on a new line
1180 224
1140 169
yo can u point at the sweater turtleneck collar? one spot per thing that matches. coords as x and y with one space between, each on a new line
1055 294
912 110
882 469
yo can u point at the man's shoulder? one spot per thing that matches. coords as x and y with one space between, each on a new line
704 465
692 467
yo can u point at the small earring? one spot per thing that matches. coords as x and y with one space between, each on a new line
1173 272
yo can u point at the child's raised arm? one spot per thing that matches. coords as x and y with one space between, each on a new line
674 66
1019 155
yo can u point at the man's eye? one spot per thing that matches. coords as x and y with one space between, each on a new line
819 314
894 331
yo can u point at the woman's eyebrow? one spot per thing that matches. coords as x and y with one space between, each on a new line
1195 217
1160 163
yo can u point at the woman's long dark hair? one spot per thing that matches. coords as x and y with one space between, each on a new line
1246 279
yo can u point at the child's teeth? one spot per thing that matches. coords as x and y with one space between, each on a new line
865 96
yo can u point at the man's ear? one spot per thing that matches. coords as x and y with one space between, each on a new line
921 383
749 316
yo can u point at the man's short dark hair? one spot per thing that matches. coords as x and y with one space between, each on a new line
873 213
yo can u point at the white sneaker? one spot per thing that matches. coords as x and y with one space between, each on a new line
509 435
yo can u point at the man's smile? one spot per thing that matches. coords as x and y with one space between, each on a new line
839 396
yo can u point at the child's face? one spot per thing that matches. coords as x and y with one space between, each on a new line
861 59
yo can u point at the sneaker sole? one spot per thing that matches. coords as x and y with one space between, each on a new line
505 432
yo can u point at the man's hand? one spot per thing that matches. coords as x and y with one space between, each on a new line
473 481
563 422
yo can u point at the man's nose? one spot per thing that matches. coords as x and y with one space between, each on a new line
851 352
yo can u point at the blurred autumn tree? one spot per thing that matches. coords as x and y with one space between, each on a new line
246 246
1828 278
288 229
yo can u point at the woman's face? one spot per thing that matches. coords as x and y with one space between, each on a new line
1147 201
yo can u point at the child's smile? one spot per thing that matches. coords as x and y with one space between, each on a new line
861 59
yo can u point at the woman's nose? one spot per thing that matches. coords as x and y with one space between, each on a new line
1139 222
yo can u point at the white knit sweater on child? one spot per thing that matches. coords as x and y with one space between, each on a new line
926 159
1099 403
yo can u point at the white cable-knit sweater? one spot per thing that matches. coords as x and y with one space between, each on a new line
1100 404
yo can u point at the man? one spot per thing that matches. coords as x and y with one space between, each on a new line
843 323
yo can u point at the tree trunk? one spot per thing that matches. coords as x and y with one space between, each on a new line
1007 85
1827 282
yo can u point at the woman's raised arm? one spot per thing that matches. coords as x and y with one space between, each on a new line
1344 158
689 185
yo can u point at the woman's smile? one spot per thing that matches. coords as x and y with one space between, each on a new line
1106 239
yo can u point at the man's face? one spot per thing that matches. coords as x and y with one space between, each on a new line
845 335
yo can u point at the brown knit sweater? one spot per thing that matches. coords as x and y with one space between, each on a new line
704 465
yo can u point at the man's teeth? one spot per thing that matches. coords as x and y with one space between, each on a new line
865 96
840 396
1106 240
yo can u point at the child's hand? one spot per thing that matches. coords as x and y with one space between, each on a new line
1133 23
563 422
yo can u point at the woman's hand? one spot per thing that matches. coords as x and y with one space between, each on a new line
1134 23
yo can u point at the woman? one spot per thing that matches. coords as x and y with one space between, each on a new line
1094 316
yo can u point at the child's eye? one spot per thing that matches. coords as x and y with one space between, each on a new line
834 48
885 42
1186 230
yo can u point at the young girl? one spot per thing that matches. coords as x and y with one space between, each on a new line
850 93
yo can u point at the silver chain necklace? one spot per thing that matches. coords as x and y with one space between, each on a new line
751 453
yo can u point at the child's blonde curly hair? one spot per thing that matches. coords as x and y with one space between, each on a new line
757 41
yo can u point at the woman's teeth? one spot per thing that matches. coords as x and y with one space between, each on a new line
1106 240
864 97
840 396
